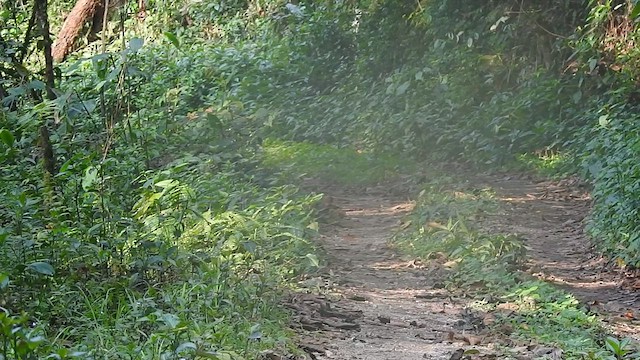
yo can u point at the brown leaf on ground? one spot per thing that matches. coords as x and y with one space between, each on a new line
472 339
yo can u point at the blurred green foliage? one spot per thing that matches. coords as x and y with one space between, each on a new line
163 230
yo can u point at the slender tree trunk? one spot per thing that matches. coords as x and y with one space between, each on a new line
29 33
43 17
48 157
40 9
83 11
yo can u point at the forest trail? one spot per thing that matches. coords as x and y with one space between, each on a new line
376 304
550 216
380 306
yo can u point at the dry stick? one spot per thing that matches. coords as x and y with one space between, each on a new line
107 122
551 33
104 26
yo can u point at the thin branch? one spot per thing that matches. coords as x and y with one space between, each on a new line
551 33
27 35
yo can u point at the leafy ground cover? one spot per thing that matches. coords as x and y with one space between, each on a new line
154 235
194 268
447 225
332 164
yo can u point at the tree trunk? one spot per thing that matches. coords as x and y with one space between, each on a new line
83 11
43 17
48 158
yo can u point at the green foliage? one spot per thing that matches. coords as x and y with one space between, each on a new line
439 227
554 165
551 316
164 204
157 236
608 160
332 164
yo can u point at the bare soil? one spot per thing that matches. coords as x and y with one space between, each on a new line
371 303
377 304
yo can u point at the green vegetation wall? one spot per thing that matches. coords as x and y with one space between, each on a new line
484 83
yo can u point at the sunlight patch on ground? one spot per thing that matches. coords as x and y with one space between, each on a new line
382 211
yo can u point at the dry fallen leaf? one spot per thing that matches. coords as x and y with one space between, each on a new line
507 307
457 355
436 225
451 263
472 340
489 319
630 315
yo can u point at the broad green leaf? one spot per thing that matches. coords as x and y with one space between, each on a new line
403 88
208 354
186 346
135 44
603 120
90 176
166 184
250 247
217 355
261 113
170 320
4 280
295 10
390 89
255 333
7 137
592 64
314 260
635 12
36 85
613 344
576 97
174 40
313 226
42 267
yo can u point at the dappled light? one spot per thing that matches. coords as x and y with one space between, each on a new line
294 180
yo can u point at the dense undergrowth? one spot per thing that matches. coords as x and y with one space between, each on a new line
158 234
492 85
141 215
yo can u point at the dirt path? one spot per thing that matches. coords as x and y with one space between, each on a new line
380 306
550 216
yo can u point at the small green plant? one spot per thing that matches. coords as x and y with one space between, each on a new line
621 348
551 164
